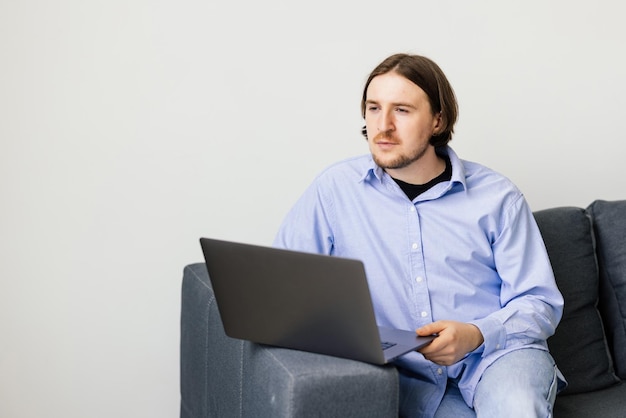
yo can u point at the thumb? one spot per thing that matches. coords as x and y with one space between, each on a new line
429 329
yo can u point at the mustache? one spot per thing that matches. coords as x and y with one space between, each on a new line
385 135
381 135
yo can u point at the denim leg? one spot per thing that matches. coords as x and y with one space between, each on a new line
452 405
522 383
412 392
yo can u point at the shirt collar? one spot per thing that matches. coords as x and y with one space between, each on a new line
458 168
373 171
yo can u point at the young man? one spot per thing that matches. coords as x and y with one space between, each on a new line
450 248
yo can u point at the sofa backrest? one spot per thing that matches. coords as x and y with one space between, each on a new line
609 225
579 345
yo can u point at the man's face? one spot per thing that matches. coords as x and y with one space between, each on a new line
399 121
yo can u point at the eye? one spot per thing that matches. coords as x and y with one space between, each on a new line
402 110
372 108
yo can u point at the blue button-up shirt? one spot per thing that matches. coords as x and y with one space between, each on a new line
467 250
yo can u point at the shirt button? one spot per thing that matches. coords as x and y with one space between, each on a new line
414 246
440 371
424 314
419 279
412 208
497 346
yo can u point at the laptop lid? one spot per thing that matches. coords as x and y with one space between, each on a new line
298 300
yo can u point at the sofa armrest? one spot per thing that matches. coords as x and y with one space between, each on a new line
222 376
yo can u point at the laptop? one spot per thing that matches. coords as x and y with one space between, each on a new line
302 301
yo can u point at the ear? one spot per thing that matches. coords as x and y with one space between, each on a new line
437 123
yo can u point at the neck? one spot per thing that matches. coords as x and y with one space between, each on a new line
421 171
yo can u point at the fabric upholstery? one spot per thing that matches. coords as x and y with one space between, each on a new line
219 358
579 345
605 403
610 229
225 377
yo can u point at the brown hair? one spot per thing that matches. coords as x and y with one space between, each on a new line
427 75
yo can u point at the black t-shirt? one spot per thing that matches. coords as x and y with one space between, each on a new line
414 190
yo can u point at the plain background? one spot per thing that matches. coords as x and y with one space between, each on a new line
130 128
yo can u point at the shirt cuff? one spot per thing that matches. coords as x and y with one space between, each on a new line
494 335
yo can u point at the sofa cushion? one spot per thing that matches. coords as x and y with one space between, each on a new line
609 219
578 346
606 403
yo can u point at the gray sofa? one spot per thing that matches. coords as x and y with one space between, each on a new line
224 377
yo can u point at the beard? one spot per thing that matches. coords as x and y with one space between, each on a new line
393 162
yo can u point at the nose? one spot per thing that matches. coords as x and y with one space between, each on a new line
385 122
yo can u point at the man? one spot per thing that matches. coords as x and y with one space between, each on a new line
450 248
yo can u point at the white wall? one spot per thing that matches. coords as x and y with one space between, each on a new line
130 128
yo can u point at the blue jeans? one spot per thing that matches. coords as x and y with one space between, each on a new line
522 383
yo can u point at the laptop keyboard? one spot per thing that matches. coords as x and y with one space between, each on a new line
385 345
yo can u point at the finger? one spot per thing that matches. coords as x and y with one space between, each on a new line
435 346
430 329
